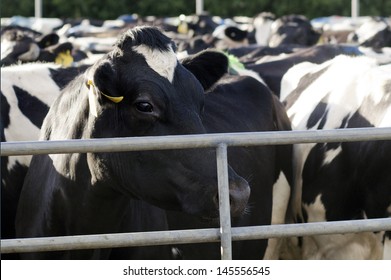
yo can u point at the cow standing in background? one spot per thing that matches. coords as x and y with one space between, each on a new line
242 104
22 45
27 92
340 181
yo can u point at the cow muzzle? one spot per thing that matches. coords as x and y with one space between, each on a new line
239 193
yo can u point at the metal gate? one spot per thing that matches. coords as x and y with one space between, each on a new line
225 234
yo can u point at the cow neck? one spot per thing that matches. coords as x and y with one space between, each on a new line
102 210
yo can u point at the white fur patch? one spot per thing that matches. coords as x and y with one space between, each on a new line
343 97
316 211
262 30
369 29
162 62
352 246
6 48
387 249
26 77
281 194
331 155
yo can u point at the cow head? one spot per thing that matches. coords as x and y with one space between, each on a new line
375 33
21 44
293 29
141 89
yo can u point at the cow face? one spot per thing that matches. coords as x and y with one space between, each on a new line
293 29
375 33
16 45
140 89
20 44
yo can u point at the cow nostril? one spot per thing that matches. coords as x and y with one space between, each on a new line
238 197
239 193
216 201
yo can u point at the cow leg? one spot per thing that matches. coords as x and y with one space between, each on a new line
387 246
281 194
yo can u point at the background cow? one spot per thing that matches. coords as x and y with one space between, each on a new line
340 181
21 45
239 104
27 91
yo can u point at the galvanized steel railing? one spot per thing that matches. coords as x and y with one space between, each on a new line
220 141
193 141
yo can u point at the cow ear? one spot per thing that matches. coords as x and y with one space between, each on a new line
207 66
100 82
105 82
48 40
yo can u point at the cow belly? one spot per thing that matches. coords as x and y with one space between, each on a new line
355 246
365 245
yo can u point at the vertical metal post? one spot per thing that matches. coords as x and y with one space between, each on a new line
199 7
355 6
224 206
38 9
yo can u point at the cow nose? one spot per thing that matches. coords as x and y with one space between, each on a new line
239 193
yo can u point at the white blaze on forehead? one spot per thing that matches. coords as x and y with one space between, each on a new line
162 62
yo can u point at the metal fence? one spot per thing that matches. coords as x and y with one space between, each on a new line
225 234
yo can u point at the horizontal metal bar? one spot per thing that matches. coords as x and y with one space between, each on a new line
193 141
306 229
114 240
189 236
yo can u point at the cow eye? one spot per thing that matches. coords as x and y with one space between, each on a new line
144 107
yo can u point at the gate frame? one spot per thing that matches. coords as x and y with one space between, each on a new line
225 234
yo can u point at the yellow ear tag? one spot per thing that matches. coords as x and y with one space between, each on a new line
92 98
113 98
64 58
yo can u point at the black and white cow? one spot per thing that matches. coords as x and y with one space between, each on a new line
155 102
374 32
341 181
25 105
239 104
273 67
289 29
27 92
21 45
137 89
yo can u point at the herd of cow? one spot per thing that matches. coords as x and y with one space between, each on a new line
194 75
